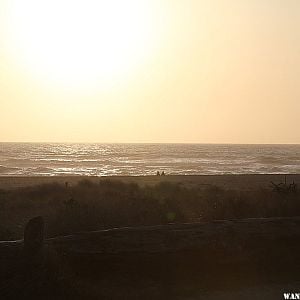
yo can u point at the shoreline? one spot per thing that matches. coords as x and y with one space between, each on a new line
226 181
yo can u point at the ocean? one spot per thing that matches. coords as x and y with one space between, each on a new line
44 159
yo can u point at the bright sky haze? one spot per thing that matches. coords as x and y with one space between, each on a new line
214 71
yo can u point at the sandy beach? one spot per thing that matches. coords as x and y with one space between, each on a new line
238 182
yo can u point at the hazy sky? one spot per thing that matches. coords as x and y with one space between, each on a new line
214 71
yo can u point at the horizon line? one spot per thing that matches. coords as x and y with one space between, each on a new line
143 143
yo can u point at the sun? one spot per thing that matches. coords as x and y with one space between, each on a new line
80 43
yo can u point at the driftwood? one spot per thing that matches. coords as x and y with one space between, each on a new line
283 187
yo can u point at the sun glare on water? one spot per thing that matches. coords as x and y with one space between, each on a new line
84 42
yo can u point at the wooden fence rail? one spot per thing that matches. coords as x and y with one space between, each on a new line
220 244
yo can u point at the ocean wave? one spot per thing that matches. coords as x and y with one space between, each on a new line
8 170
146 159
39 170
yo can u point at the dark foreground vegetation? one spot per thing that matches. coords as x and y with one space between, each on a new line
90 206
249 259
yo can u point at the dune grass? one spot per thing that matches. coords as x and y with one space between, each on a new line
105 204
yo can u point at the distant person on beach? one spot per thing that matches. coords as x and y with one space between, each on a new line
157 173
163 173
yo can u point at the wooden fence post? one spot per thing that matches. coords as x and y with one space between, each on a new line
34 237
